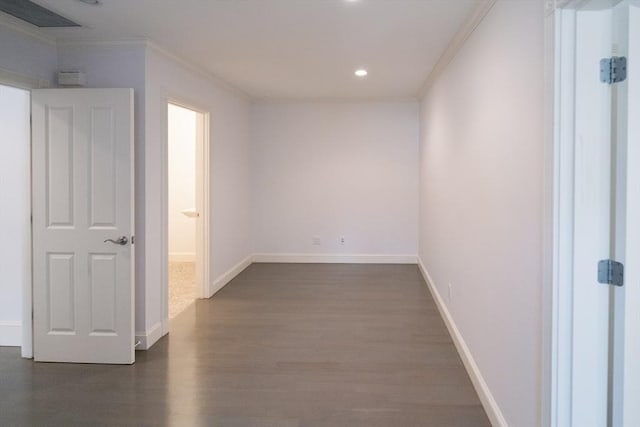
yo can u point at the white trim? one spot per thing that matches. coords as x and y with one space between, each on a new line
228 276
205 214
150 44
456 43
559 216
203 198
149 337
165 327
71 42
11 333
212 78
182 257
22 81
551 6
206 203
262 100
484 393
335 258
164 212
548 362
561 333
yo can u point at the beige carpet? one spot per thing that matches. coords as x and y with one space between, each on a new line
182 286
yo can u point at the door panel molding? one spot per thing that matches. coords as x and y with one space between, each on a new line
82 195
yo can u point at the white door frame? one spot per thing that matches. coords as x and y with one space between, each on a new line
560 68
626 374
558 301
26 82
557 335
202 252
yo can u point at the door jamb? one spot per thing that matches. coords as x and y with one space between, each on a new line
560 47
557 297
204 251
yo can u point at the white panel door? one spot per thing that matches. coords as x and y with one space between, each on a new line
83 292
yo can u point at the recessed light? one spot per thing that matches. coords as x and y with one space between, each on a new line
361 72
91 2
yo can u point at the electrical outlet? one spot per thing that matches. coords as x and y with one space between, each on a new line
315 241
450 291
342 240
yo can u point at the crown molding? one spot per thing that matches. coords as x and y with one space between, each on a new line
25 28
456 43
79 42
207 75
23 81
334 100
550 6
150 44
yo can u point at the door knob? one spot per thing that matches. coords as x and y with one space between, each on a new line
122 240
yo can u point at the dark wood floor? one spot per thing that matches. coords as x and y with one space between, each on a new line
281 346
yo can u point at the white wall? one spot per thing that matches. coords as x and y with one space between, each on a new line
167 79
15 189
481 200
26 60
121 66
157 78
182 183
26 55
332 170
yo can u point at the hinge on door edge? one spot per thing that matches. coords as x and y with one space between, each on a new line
610 272
613 70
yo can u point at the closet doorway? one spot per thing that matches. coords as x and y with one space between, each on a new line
15 193
187 204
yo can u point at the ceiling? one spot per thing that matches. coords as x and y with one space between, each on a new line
287 49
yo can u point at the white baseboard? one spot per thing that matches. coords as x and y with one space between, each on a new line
11 333
225 278
149 337
484 393
182 257
165 327
335 258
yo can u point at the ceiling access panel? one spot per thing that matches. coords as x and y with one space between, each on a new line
35 14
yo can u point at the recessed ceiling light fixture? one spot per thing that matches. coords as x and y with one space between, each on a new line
361 72
91 2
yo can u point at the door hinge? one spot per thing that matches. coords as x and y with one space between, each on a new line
133 240
613 70
610 272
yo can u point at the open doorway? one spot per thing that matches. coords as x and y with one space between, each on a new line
15 191
187 174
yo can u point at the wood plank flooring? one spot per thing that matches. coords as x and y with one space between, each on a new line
283 345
